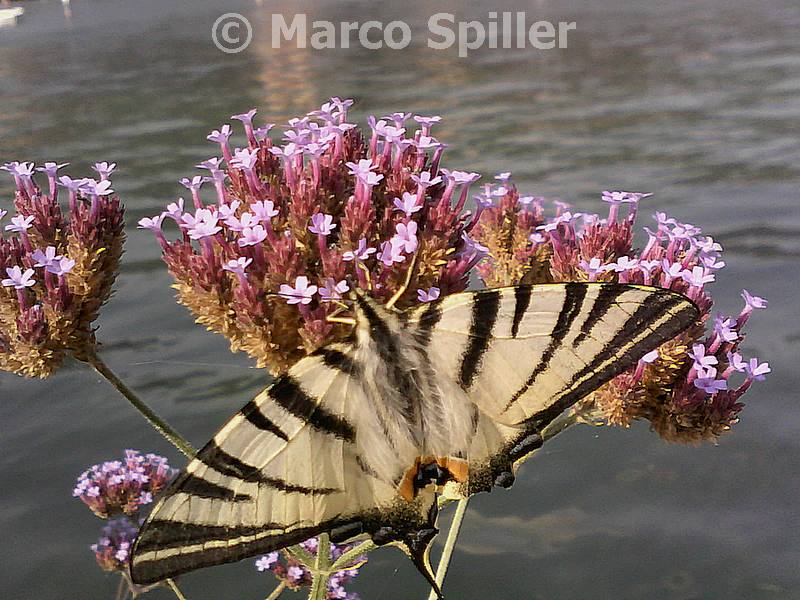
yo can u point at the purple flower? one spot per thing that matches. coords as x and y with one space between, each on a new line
245 159
175 211
707 245
288 151
503 177
264 210
701 359
322 224
361 168
429 296
391 253
19 279
301 293
220 135
593 268
104 169
3 213
650 357
19 169
537 238
97 188
246 118
460 177
73 185
212 164
252 235
20 223
756 370
406 237
46 258
152 223
408 204
424 179
266 562
724 327
427 121
752 302
736 362
62 266
112 550
262 132
195 182
206 226
123 486
362 252
624 263
710 384
711 262
333 291
51 168
238 265
473 247
245 221
697 277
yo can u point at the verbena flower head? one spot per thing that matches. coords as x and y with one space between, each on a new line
296 575
58 262
687 388
113 550
329 207
123 486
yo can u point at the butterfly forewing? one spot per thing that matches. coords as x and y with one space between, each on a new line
283 469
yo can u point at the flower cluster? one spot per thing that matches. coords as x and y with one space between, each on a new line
295 575
115 486
685 387
55 270
113 549
293 226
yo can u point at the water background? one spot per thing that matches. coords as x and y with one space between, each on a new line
697 101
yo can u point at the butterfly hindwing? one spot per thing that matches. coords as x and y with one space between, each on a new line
283 469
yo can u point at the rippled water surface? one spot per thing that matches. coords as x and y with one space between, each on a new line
696 101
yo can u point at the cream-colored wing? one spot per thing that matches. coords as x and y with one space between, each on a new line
525 354
283 469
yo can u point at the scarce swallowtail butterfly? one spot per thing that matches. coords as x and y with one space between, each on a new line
358 437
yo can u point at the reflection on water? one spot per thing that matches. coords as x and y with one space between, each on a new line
696 101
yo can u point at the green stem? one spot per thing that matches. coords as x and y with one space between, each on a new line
277 591
322 569
449 545
175 589
346 560
159 424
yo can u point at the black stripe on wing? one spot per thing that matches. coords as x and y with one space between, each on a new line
202 488
522 299
253 414
485 307
616 358
216 458
288 394
574 294
606 298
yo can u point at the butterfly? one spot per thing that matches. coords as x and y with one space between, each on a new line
360 436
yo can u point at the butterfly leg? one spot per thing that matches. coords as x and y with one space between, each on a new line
402 290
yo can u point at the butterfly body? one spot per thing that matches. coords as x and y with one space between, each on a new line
358 436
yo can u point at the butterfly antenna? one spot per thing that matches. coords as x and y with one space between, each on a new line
402 290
